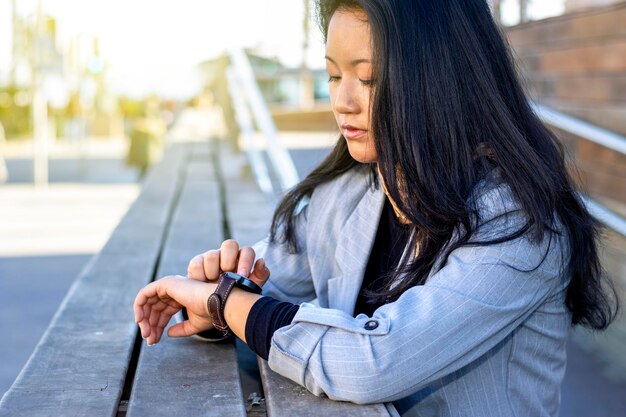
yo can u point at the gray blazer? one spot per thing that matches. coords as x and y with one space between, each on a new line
484 336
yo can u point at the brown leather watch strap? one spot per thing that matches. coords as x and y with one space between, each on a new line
217 301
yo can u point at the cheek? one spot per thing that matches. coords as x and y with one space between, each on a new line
332 94
368 105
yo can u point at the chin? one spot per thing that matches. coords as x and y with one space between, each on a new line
362 157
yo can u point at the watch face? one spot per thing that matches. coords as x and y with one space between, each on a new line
244 283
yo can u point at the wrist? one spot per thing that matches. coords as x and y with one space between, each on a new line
237 309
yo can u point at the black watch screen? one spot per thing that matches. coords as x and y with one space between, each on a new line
244 283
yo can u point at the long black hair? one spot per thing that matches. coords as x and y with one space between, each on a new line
454 110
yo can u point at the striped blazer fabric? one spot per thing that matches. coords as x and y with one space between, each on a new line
484 336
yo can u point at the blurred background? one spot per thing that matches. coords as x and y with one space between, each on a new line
92 92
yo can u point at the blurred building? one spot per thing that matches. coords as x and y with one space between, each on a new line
574 5
296 97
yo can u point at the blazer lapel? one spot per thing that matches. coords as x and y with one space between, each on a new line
353 249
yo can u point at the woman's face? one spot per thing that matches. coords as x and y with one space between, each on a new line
348 62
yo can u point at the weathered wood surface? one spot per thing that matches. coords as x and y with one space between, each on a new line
80 367
250 214
186 377
285 398
249 211
80 364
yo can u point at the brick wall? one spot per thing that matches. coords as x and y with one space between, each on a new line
573 5
576 64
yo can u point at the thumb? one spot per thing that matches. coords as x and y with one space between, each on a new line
260 273
181 329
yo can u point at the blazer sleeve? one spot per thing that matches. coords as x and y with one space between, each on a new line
478 298
290 274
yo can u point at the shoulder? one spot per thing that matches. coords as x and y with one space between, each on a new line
492 196
498 214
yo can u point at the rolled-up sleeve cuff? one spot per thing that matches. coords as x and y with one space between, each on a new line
293 345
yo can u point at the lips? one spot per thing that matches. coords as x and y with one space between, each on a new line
351 132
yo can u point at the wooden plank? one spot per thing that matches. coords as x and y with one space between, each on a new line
186 377
250 214
249 211
79 366
285 398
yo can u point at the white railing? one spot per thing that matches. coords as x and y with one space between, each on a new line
244 120
245 88
581 128
597 135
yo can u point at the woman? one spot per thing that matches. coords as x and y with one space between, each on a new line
449 290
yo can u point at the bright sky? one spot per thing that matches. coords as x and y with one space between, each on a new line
155 45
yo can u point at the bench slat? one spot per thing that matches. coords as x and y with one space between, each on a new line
285 398
61 377
186 377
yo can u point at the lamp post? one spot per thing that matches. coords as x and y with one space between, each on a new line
307 95
39 107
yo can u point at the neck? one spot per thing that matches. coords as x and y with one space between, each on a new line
399 215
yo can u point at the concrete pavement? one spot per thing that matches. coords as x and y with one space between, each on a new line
47 235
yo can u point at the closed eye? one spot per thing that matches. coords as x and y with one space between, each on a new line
332 79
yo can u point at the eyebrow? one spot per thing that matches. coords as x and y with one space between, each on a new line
353 63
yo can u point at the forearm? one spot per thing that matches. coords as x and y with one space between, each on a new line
256 319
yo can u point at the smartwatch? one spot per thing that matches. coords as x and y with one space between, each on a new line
217 301
244 283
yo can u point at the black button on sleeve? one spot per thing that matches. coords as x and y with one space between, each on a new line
371 325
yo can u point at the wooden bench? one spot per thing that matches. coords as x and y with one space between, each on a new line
91 360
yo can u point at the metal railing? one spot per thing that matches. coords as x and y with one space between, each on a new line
244 120
597 135
246 93
581 128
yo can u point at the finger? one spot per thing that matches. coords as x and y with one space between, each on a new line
261 273
229 253
157 336
246 259
159 332
155 315
144 328
147 308
195 269
152 340
138 310
164 317
211 264
144 325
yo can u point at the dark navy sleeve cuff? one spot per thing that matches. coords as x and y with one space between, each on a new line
266 316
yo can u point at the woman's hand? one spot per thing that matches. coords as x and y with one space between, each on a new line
208 266
160 300
157 302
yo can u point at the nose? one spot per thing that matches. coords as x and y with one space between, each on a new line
346 100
